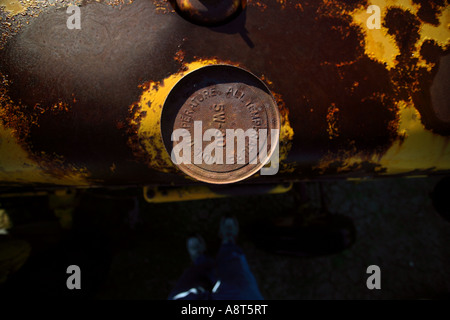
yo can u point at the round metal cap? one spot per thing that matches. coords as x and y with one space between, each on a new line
217 124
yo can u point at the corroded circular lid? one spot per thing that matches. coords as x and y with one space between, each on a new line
217 124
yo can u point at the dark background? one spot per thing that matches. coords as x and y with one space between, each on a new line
129 249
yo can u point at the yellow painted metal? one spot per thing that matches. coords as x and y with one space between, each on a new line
148 118
13 7
177 194
419 148
16 165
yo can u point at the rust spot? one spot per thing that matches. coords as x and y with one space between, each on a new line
332 118
14 115
57 165
299 6
179 56
256 3
120 125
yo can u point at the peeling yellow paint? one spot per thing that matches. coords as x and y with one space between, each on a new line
148 118
379 45
190 193
440 33
286 138
382 46
282 3
17 167
13 7
420 149
286 135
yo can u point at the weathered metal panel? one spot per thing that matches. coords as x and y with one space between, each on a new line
82 107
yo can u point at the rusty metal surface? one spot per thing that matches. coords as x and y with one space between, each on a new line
81 107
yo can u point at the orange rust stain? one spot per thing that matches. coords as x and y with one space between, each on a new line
255 3
283 3
179 56
11 114
60 107
332 119
299 6
120 125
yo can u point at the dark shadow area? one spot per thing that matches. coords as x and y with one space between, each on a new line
129 249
